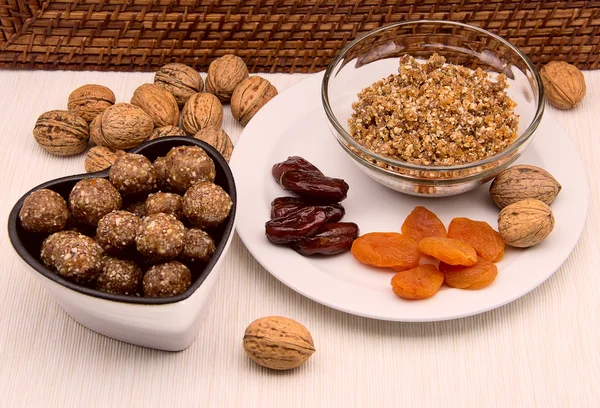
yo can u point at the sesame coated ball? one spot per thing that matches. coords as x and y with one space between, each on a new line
133 174
198 246
44 211
167 279
187 165
167 203
206 205
117 230
50 244
162 178
74 256
91 199
160 237
120 277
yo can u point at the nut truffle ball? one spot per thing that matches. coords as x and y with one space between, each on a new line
160 237
167 279
44 211
117 230
91 199
187 165
198 246
167 203
160 169
137 207
132 174
206 205
120 277
74 256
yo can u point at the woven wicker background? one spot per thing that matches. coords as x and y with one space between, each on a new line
271 35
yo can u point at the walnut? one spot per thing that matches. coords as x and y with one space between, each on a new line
564 84
122 126
158 103
201 111
99 158
520 182
278 343
179 79
89 100
525 223
166 131
224 74
249 97
61 133
217 138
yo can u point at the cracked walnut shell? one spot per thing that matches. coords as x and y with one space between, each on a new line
201 111
520 182
158 103
224 74
61 133
180 80
278 343
249 97
525 223
88 101
121 126
564 84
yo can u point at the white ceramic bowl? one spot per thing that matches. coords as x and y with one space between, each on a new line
162 323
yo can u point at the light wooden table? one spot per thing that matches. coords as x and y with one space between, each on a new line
539 351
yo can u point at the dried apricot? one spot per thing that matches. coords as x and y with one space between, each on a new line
469 277
449 250
488 244
386 249
422 223
421 282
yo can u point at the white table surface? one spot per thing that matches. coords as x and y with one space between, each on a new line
542 350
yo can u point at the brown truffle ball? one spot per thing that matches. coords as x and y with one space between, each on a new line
74 256
187 165
44 211
160 237
91 199
167 203
198 245
117 230
160 169
120 277
166 131
206 205
168 279
132 174
50 244
137 207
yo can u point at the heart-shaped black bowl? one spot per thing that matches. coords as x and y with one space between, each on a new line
28 246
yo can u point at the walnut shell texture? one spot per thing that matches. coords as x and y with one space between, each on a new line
61 133
201 111
88 101
180 80
99 158
249 97
166 131
525 223
217 138
521 182
224 74
564 84
158 103
278 343
121 126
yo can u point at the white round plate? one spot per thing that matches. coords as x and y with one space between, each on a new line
294 123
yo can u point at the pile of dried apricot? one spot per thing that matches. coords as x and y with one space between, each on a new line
466 252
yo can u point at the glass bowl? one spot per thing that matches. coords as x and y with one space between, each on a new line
376 54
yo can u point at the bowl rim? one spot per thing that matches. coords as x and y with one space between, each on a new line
36 264
522 139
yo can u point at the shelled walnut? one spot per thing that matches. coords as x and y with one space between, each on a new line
88 101
158 103
61 133
99 158
224 74
564 84
249 97
121 126
201 111
180 80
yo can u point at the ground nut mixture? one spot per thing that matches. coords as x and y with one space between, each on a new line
433 113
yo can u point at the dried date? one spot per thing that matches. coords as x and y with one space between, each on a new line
331 239
294 163
297 225
282 206
314 187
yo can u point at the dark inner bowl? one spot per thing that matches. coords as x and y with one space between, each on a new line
28 245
